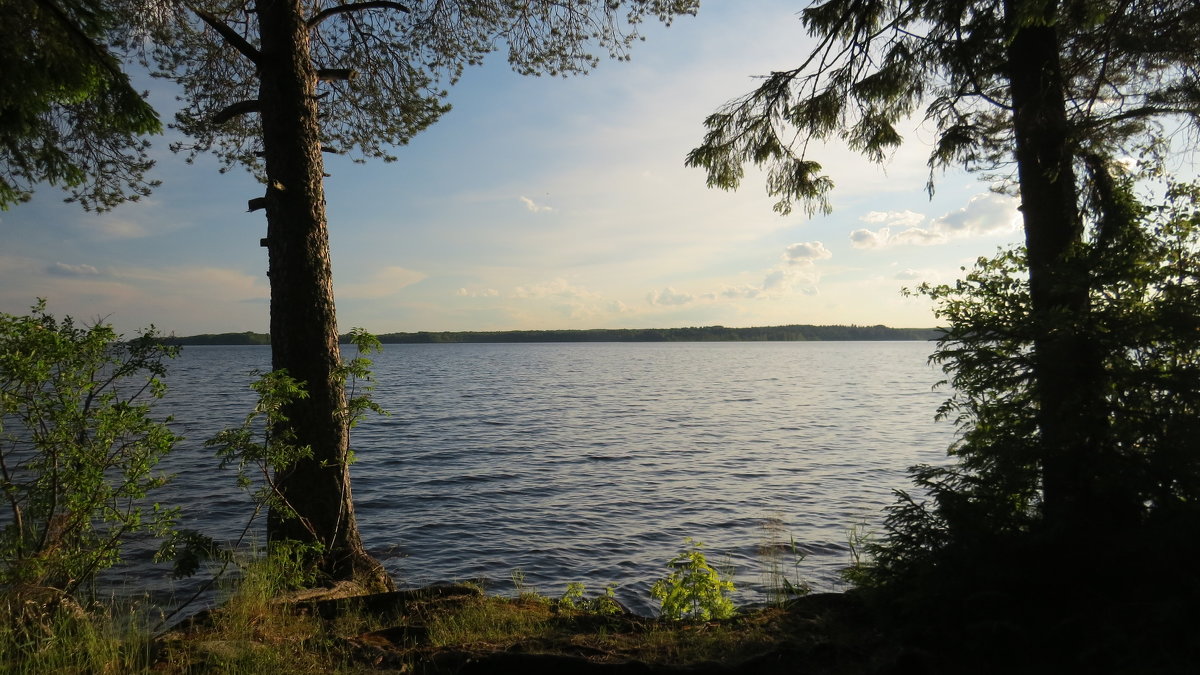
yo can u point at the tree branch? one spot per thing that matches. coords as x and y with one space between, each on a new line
331 74
239 108
231 36
1141 111
355 7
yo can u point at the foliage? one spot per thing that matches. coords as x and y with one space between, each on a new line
68 113
575 597
694 589
1055 90
1145 303
356 372
78 447
877 62
264 447
395 61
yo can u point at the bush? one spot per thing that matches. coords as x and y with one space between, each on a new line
78 447
694 589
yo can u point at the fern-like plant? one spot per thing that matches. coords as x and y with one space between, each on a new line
694 590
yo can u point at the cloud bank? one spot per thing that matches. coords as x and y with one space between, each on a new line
984 214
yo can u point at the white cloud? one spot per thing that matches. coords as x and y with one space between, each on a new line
669 296
745 291
897 218
984 214
910 274
917 236
563 298
383 283
804 253
556 288
864 238
59 269
132 297
482 293
786 279
534 206
796 274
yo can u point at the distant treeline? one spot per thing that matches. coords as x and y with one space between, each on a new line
246 338
794 333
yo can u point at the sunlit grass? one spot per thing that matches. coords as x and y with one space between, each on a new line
38 637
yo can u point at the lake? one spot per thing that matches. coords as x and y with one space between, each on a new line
592 462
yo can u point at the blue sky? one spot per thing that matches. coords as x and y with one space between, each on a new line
536 203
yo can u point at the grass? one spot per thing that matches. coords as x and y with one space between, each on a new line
262 627
52 635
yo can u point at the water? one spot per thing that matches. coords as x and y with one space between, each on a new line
591 462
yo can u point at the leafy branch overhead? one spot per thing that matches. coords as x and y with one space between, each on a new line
383 67
1129 66
68 113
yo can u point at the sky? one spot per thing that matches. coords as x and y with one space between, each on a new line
536 203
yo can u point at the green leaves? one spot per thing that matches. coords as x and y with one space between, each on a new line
264 447
694 590
405 59
876 63
70 116
356 371
78 447
1145 299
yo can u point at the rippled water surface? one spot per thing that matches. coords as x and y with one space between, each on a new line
592 462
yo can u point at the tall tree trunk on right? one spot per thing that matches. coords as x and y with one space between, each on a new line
1068 368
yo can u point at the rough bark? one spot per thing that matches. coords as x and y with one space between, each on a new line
1068 370
304 339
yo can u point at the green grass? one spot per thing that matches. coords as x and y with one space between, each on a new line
39 636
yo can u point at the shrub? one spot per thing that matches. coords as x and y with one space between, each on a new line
694 589
78 447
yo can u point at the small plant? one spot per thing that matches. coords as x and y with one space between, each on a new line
781 584
518 578
694 590
859 541
575 598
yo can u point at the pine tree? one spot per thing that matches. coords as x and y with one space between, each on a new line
1057 87
273 84
68 113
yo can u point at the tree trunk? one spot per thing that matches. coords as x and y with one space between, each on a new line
1068 368
304 338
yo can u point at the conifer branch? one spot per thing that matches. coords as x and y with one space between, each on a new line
231 36
332 74
356 7
239 108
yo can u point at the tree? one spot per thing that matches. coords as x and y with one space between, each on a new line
78 447
1055 87
68 113
273 84
966 557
